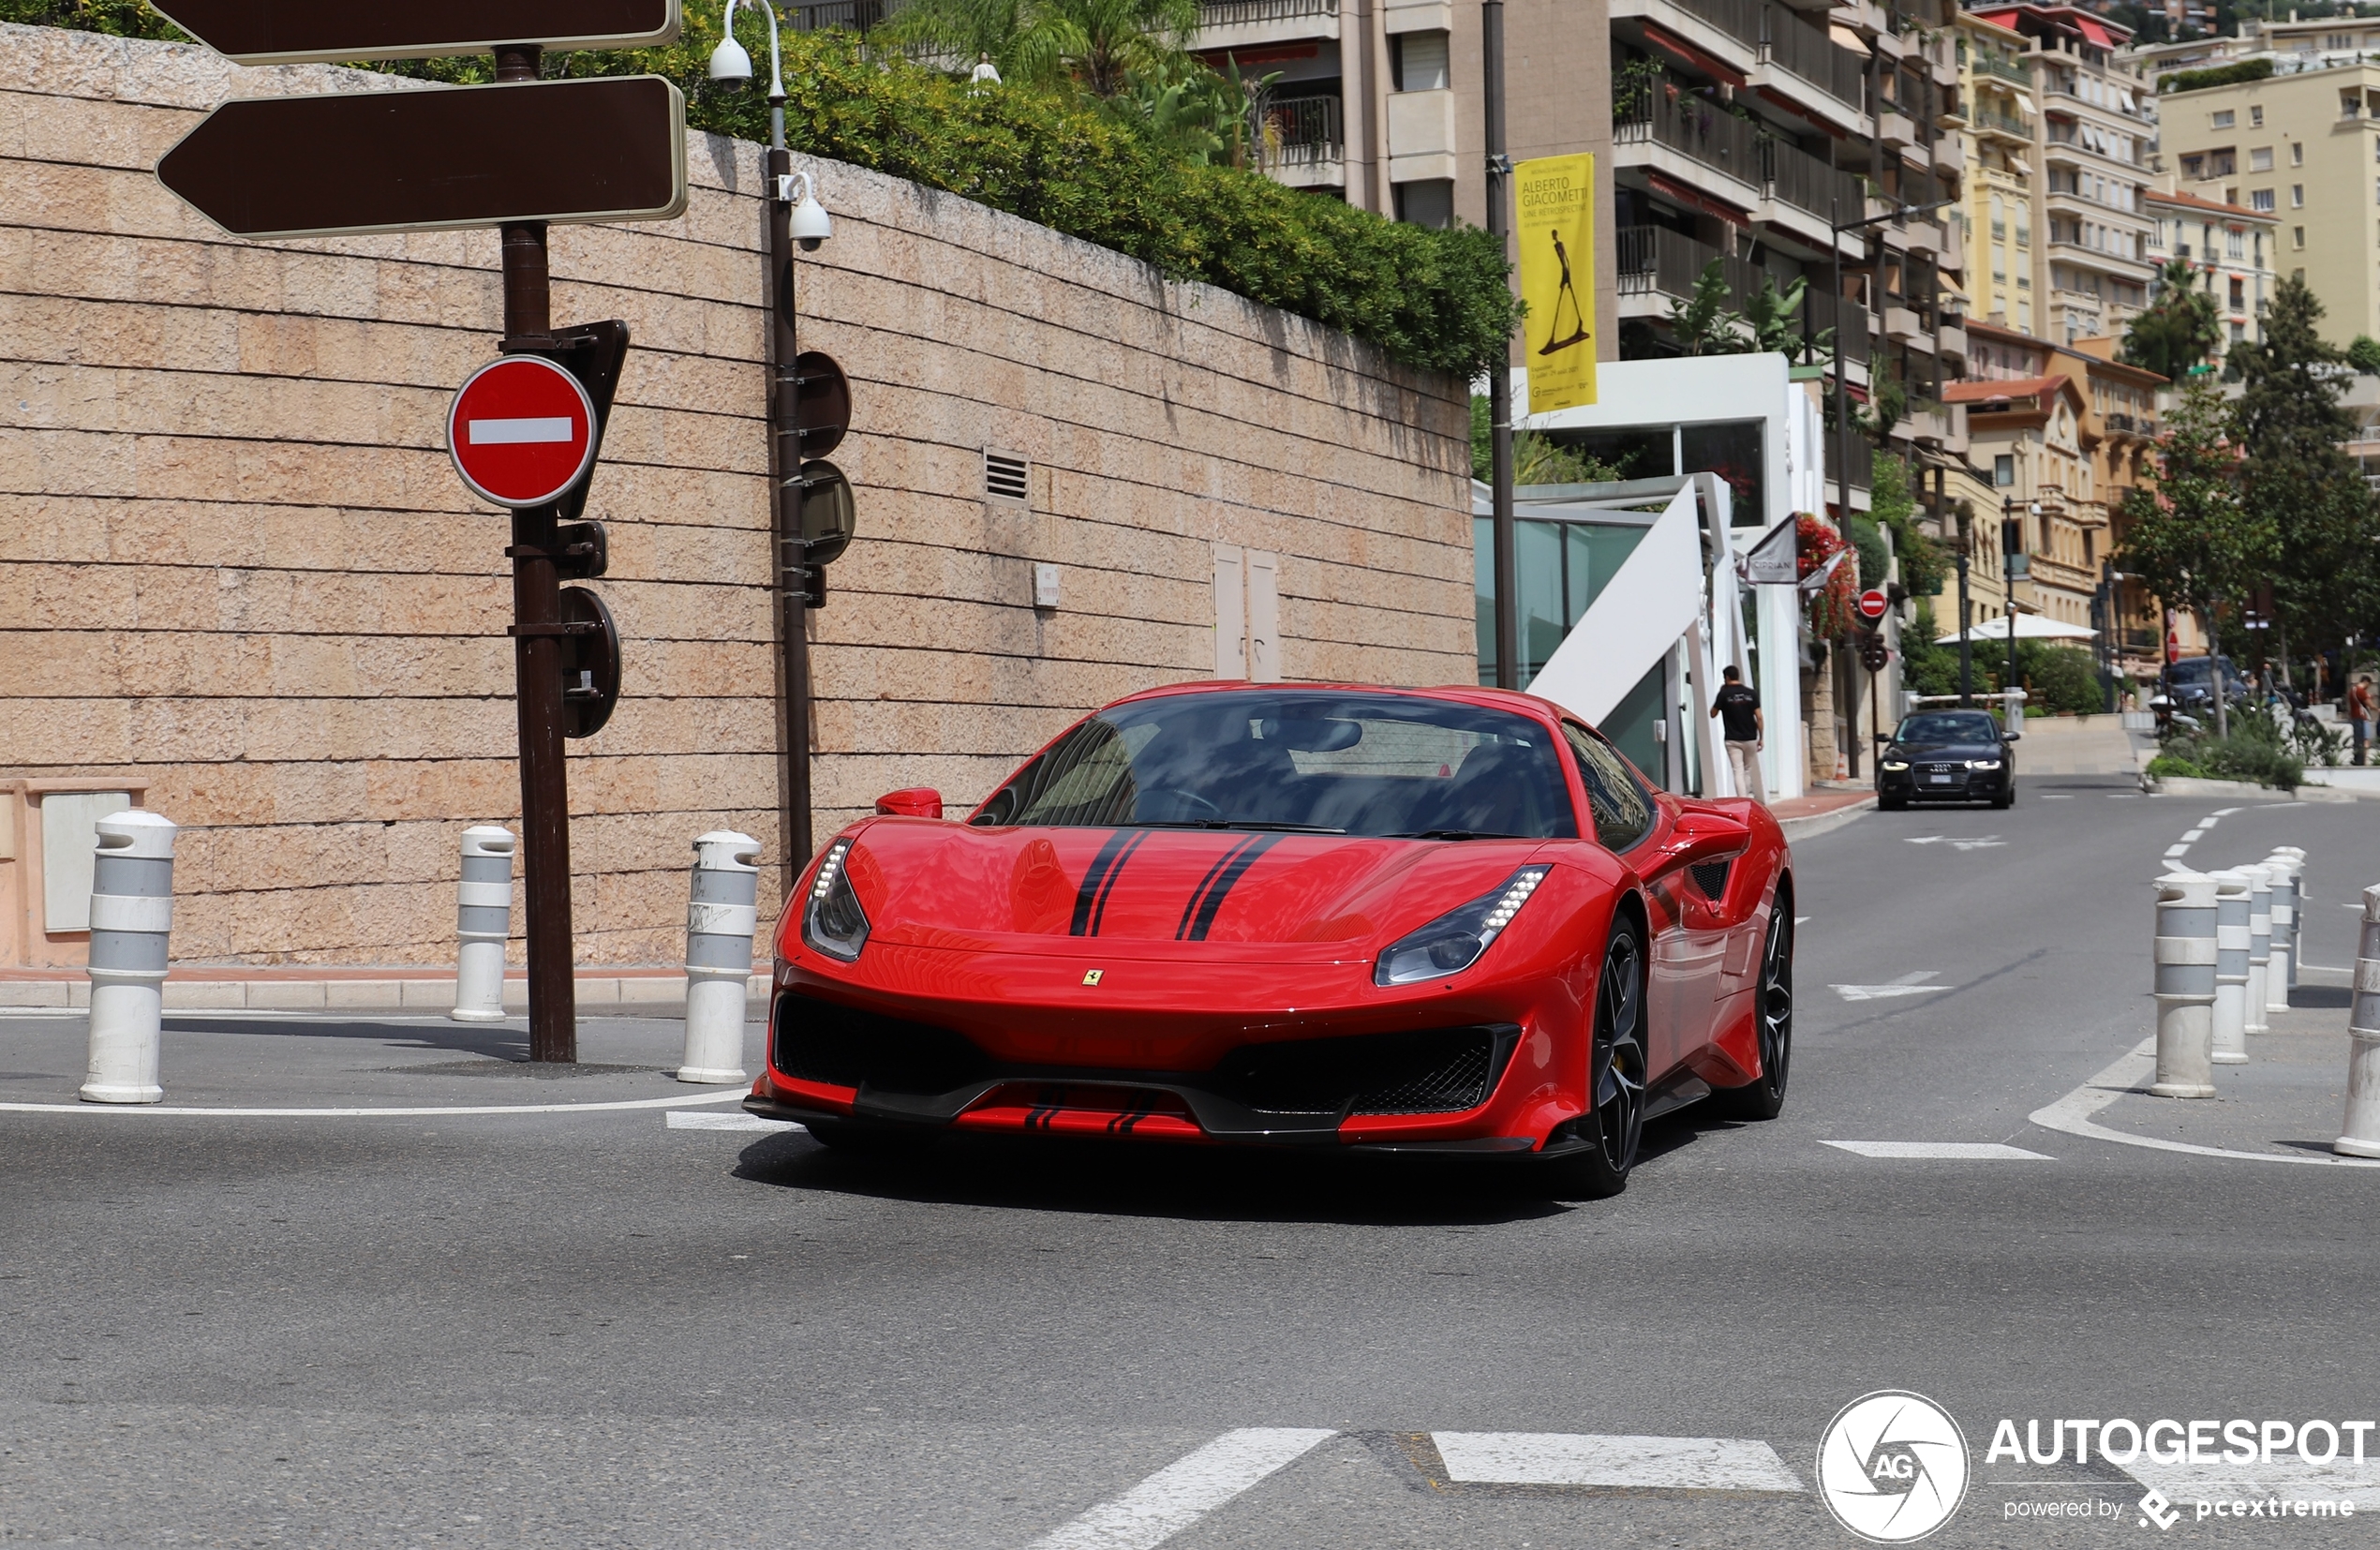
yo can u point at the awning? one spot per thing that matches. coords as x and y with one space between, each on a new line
2024 101
1686 53
2028 627
1669 187
2093 33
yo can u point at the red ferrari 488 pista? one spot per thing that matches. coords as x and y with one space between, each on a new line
1453 920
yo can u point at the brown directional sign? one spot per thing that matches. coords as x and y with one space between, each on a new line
609 149
289 31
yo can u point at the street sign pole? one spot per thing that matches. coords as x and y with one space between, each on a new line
537 651
784 470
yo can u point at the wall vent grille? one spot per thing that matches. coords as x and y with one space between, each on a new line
1007 479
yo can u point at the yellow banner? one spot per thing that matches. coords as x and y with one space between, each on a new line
1555 199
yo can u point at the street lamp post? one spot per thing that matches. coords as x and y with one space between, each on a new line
1966 613
1501 523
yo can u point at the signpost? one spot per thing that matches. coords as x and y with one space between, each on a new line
301 32
525 431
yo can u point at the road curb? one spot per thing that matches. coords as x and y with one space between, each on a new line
1820 823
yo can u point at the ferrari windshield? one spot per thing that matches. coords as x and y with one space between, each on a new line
1377 764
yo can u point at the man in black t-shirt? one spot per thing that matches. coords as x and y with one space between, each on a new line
1746 729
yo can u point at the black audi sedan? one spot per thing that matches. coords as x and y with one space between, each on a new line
1947 757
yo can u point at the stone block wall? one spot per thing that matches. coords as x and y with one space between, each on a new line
235 560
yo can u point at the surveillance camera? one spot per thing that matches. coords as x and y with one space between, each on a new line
809 223
810 245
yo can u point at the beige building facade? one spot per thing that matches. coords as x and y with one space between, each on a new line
2302 149
246 581
2232 248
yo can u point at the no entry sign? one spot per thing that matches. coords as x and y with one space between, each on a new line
522 431
1874 605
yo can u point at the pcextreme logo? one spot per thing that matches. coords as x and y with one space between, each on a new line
1892 1467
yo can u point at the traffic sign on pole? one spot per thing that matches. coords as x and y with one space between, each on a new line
1874 605
521 431
347 162
299 32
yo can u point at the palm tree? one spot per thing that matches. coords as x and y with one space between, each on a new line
1097 44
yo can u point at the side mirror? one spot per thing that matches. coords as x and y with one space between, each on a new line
1882 737
1706 836
2011 736
916 801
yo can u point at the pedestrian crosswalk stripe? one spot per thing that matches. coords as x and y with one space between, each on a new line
1561 1458
1185 1490
1967 1151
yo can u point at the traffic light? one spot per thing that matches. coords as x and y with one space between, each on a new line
1873 654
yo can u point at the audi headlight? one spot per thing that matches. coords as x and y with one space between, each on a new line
1453 942
1895 766
832 920
1983 763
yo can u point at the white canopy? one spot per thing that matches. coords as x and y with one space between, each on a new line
2028 627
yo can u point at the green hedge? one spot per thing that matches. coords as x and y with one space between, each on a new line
1437 300
2217 75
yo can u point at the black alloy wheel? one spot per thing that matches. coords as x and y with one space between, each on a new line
1614 1125
1764 1098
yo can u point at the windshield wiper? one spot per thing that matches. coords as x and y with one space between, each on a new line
1232 822
1453 834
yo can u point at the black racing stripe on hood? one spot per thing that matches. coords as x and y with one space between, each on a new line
1238 869
1099 905
1199 894
1092 880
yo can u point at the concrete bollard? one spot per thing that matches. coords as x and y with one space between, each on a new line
721 917
2231 967
2363 1137
2298 916
131 923
2280 970
2259 943
2185 986
484 921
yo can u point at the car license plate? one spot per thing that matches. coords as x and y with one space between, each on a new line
1938 780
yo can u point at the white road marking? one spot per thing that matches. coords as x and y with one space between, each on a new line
1967 1151
679 1119
1958 843
2123 795
1911 983
2172 851
2325 968
2046 798
2130 1073
1185 1490
682 1102
2193 838
2218 1475
522 432
1555 1458
1799 918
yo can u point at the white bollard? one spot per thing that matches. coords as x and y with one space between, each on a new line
483 921
721 917
2297 920
2185 986
2259 943
2363 1137
2279 970
131 923
2231 967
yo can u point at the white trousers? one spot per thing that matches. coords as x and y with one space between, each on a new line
1744 759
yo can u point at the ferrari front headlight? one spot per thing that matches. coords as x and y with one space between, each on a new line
832 920
1454 941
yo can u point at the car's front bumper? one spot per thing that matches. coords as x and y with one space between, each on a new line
1919 784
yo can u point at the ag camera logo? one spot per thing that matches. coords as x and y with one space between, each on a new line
1892 1467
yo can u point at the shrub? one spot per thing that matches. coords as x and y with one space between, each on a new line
2219 74
2253 753
2062 681
2173 764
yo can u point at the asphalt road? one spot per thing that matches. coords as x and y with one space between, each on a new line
598 1329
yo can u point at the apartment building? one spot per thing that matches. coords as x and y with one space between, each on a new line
1378 102
2300 148
1998 112
2231 246
2092 142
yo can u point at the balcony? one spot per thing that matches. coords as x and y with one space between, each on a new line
1895 129
1949 156
1903 326
1820 312
1421 136
1302 145
1705 136
1950 340
1809 55
1251 23
1991 121
1982 64
1660 264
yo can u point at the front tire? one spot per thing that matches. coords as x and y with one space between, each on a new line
1614 1125
1764 1098
2007 798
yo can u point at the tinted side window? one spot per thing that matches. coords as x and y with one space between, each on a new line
1623 812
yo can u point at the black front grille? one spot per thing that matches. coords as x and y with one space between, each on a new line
1711 877
819 1041
1433 1071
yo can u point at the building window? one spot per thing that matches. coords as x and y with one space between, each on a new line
2298 154
2296 236
2238 294
2194 167
1429 201
2260 160
2238 332
2259 199
2255 118
2223 119
2297 196
1417 61
2004 470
